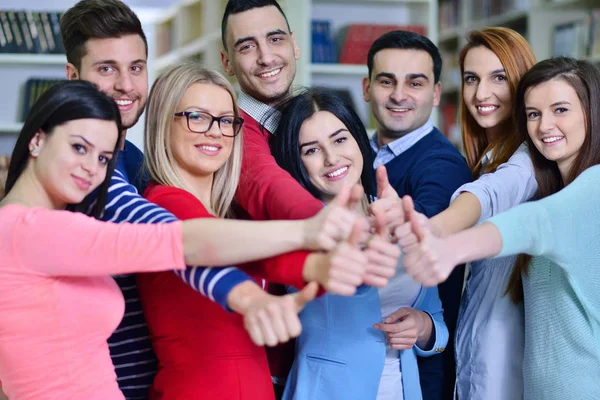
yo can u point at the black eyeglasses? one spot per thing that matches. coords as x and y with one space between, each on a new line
201 122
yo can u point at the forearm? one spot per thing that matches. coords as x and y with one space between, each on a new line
462 214
424 341
483 241
225 242
214 283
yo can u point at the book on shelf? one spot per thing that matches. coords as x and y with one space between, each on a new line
359 38
34 87
449 14
4 163
323 46
33 32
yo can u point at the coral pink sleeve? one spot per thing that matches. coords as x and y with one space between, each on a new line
64 243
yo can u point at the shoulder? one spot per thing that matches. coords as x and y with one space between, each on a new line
156 191
176 200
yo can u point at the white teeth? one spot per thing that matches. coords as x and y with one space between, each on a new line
487 109
337 172
270 74
209 148
399 109
552 139
123 102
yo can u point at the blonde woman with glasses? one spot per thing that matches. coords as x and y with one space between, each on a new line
193 152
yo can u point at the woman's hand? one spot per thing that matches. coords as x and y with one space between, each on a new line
270 319
406 327
334 223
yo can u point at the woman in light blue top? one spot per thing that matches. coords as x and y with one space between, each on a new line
558 109
490 328
342 351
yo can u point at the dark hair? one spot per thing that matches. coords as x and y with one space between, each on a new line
516 56
63 102
97 19
240 6
406 40
285 142
584 78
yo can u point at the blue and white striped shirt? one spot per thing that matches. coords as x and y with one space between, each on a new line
130 345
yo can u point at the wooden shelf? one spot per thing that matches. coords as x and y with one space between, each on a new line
10 128
339 69
33 59
175 56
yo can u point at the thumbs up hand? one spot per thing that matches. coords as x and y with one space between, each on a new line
382 255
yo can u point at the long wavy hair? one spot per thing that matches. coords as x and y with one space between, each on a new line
63 102
285 144
584 78
517 58
165 95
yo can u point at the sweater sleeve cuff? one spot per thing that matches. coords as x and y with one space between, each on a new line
438 345
220 291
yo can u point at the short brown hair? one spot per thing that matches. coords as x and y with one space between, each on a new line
97 19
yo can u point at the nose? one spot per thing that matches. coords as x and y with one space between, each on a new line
90 164
265 55
214 131
546 124
483 91
398 95
331 158
124 83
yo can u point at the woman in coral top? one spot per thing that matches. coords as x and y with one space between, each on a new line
58 304
193 151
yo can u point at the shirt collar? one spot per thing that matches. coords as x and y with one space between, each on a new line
259 111
405 142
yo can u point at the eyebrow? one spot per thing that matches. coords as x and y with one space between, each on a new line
558 103
204 110
330 136
496 71
114 62
253 38
90 143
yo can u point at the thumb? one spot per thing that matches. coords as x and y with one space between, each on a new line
380 224
356 194
397 315
342 198
306 295
419 229
381 177
355 235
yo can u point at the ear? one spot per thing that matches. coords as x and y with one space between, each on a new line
366 86
296 48
437 94
37 143
72 73
226 63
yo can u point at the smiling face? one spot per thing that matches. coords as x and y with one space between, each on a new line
329 154
556 122
118 67
261 53
486 92
72 160
402 91
200 155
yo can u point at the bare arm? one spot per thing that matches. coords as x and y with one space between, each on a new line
463 213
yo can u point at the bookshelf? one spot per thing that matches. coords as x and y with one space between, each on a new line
33 59
536 20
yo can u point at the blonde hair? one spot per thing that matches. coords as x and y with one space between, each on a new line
165 95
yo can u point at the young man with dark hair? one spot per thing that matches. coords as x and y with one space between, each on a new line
403 86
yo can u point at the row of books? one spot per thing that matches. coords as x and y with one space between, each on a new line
34 87
579 39
353 41
484 9
25 31
449 11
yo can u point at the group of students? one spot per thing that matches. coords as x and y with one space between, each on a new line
153 276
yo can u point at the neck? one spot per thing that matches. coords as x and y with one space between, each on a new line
122 140
29 191
492 133
565 169
201 186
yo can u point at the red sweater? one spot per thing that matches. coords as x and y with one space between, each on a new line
204 352
268 192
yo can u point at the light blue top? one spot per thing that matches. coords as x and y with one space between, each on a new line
340 356
562 296
490 330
